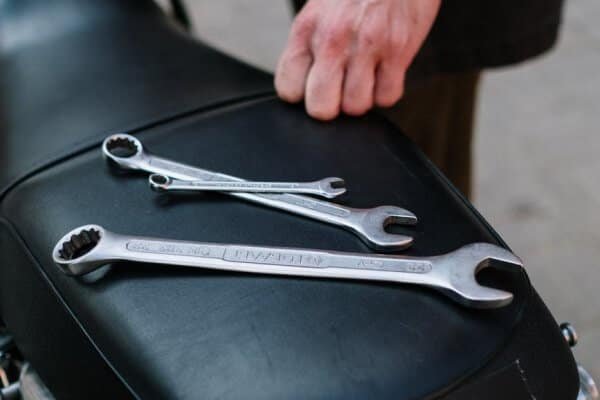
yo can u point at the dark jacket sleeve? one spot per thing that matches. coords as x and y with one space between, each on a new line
476 34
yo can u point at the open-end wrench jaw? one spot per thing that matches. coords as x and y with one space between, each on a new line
372 223
458 270
332 187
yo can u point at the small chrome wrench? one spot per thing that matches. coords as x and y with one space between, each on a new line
88 247
327 187
127 152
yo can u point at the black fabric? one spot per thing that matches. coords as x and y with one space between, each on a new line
474 34
73 71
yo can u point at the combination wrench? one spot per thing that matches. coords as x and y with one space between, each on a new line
89 247
127 152
327 187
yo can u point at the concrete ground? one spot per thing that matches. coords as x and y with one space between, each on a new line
537 147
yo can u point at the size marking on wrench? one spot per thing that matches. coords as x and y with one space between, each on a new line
87 248
271 256
327 187
127 152
190 250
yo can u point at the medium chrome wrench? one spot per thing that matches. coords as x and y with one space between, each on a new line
127 152
327 187
88 247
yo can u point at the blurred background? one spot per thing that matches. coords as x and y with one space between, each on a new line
537 147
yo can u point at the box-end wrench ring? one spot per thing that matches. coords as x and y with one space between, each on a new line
126 152
89 247
327 187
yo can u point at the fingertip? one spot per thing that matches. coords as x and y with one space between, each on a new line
322 113
291 74
387 100
355 110
359 83
287 94
293 99
323 91
389 87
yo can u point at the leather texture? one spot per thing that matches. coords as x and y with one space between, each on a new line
73 71
143 331
46 331
178 333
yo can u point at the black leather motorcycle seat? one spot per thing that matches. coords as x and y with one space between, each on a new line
180 333
72 72
142 331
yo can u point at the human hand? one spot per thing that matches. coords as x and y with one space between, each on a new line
350 55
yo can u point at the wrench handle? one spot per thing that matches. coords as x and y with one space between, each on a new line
280 261
367 224
303 205
163 166
171 184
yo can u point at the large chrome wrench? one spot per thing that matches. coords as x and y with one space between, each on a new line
127 152
88 247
